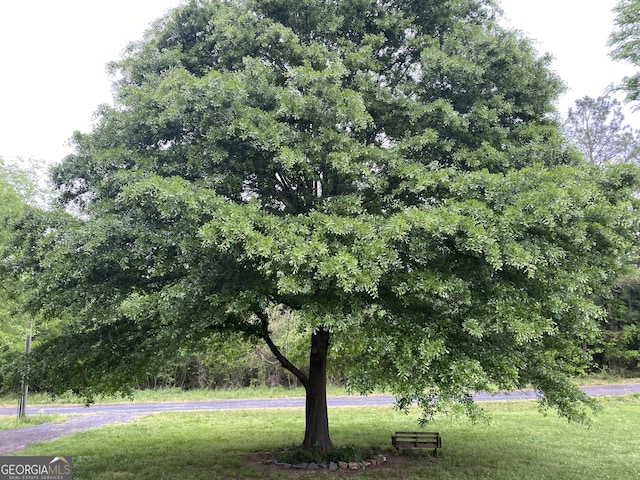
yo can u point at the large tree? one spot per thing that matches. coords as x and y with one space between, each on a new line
625 44
389 172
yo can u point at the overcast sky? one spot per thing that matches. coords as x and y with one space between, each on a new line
53 56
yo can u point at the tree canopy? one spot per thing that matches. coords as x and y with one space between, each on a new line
389 172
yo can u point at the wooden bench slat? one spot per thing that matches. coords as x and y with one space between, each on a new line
406 440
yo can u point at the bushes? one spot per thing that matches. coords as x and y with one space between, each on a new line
618 351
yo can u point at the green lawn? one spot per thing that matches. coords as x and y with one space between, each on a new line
518 443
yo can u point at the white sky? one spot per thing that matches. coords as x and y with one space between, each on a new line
53 56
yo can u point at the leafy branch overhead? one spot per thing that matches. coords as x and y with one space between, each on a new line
625 44
390 174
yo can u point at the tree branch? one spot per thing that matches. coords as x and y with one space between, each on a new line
264 320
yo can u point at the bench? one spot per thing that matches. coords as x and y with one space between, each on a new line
406 440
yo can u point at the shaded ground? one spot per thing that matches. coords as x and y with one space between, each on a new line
98 415
394 462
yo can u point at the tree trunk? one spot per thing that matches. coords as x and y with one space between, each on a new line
316 432
614 327
317 419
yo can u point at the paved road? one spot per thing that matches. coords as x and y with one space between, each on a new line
97 415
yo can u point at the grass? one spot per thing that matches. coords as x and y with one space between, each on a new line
518 442
12 422
605 378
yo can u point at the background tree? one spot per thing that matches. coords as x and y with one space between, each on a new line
596 127
18 189
390 173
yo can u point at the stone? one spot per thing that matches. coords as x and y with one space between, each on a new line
332 466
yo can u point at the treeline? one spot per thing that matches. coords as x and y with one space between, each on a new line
616 347
230 361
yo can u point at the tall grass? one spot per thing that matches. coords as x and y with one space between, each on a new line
12 422
170 394
517 443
